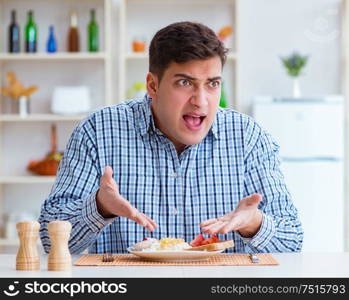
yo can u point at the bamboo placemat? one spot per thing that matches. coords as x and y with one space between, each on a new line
266 259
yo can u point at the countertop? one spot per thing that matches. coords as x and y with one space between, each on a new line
290 265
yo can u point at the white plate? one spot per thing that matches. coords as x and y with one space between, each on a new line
174 255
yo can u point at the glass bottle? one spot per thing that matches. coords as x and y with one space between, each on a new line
73 35
51 46
223 102
93 43
13 35
31 32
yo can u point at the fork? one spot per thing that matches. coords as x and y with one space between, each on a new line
254 258
106 257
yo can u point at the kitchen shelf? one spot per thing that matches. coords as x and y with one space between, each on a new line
48 70
39 118
9 242
29 179
13 242
62 56
131 56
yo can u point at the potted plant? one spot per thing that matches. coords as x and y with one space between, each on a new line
294 65
18 94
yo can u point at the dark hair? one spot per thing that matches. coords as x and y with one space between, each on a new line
182 42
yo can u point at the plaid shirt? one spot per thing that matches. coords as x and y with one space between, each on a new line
237 158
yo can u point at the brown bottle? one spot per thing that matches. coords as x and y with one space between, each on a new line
73 36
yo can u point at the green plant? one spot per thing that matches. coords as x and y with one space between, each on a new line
294 63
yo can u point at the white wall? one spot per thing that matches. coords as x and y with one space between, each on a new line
273 28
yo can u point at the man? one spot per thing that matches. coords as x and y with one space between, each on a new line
173 164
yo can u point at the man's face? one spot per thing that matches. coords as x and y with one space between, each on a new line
186 100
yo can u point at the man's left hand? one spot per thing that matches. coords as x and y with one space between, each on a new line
246 219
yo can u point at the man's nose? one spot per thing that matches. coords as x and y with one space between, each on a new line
199 98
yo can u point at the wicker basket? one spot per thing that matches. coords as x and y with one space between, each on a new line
45 167
48 166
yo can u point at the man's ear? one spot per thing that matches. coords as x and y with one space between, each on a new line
152 85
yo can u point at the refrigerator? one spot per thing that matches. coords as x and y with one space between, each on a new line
310 133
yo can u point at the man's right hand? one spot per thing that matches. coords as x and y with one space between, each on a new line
111 203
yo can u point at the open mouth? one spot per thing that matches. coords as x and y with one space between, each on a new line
193 122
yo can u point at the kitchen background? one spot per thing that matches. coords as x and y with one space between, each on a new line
46 93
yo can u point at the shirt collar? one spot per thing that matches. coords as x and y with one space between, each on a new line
214 127
146 120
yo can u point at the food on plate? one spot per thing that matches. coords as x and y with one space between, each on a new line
212 243
173 244
221 245
199 240
165 244
145 244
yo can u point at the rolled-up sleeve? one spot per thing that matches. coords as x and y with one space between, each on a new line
73 195
281 230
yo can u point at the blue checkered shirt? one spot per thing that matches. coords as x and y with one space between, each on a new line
237 158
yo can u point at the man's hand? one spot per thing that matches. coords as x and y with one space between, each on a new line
111 203
246 219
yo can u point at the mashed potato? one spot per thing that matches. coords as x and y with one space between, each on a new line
165 244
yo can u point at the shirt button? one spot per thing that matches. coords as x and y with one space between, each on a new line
175 211
175 175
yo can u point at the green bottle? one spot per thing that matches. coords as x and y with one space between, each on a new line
92 29
31 34
223 102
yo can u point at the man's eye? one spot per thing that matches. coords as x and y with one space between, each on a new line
183 82
214 84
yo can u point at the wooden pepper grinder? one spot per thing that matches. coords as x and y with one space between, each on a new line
59 258
27 256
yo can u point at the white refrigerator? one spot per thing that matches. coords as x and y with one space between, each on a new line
310 133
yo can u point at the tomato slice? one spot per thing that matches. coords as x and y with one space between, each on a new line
213 239
200 240
197 240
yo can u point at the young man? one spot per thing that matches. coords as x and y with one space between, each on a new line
173 164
